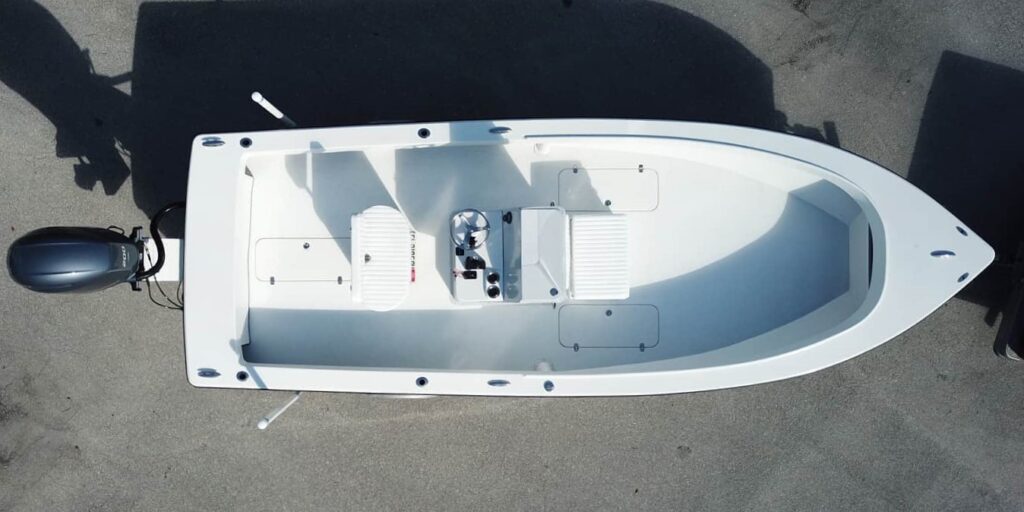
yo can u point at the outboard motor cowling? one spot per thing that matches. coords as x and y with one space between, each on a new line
73 259
76 260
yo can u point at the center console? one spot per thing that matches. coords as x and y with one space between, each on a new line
510 256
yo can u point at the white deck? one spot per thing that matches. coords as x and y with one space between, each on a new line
724 266
738 257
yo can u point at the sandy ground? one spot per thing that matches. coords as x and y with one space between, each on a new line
99 100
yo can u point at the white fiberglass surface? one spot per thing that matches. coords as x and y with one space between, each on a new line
725 245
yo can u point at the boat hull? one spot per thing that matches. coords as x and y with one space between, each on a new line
755 256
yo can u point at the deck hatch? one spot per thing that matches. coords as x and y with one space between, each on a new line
302 259
601 190
608 325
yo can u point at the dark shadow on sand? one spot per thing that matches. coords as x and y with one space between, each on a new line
363 62
969 156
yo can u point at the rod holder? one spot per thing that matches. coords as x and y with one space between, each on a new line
272 110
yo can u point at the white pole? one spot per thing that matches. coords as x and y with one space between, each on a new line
271 109
268 419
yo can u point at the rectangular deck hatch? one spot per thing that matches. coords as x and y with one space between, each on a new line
603 190
303 259
608 325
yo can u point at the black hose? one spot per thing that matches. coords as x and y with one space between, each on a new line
154 231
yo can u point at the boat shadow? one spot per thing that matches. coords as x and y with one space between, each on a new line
365 62
969 157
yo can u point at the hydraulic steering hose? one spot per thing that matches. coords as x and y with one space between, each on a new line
154 231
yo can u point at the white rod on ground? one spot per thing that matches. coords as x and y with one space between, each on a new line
268 419
271 109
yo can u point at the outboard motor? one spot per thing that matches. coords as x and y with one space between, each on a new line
73 260
78 260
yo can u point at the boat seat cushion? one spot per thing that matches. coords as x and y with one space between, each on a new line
600 256
381 258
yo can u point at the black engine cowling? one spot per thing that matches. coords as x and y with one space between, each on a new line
73 259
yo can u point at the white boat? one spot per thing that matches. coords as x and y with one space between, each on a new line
550 258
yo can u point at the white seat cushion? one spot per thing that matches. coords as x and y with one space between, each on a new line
381 258
600 256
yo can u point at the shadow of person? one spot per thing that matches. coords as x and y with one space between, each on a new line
40 61
969 157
